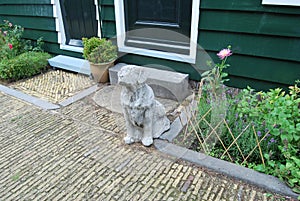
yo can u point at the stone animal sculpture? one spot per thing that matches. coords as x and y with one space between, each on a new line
145 117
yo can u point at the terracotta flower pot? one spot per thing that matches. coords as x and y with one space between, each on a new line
100 71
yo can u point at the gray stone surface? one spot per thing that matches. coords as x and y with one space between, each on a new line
109 97
71 63
145 117
30 99
250 176
79 96
67 155
165 84
185 112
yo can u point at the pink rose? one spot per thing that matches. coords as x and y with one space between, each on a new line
10 24
224 53
4 33
10 46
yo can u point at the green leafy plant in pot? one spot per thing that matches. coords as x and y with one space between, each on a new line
101 54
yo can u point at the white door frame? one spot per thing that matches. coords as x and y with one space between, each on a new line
61 34
120 28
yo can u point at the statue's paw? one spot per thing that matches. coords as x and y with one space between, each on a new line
147 141
128 140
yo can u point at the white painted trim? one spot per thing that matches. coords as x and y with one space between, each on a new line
71 48
281 2
59 24
121 34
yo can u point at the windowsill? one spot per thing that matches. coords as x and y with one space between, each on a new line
71 48
281 2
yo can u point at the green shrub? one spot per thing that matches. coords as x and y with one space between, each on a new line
277 114
12 43
98 50
23 66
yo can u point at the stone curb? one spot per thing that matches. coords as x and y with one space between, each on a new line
30 99
242 173
79 96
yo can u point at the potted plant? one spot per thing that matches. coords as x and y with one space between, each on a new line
101 54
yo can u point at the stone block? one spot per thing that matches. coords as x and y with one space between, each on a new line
165 84
71 63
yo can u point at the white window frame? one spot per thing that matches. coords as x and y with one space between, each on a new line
61 34
281 2
120 28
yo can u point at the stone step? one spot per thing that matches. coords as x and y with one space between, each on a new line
165 84
71 63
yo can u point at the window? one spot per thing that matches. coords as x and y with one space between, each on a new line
282 2
165 29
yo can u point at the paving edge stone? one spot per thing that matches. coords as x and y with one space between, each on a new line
30 99
247 175
79 96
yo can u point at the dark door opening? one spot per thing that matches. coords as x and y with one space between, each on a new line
163 25
79 17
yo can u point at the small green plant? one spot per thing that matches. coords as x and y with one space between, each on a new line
98 50
11 40
277 112
214 93
23 66
260 130
12 43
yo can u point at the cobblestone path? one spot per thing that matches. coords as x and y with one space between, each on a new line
66 155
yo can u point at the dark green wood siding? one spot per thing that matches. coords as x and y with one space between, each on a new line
36 16
265 41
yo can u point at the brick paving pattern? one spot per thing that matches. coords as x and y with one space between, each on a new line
67 155
55 85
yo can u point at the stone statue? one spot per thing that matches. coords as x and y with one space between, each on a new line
145 117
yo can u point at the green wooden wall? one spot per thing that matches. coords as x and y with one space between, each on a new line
36 16
265 39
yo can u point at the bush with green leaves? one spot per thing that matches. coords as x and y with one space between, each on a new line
276 117
12 43
98 50
264 125
23 66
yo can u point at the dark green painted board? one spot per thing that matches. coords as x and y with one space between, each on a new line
247 22
48 36
243 82
279 71
109 29
108 13
39 23
286 48
106 2
247 6
285 72
25 1
27 10
53 48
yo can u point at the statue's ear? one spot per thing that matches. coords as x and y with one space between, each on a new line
142 76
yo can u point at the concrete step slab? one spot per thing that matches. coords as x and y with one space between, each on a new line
165 84
71 63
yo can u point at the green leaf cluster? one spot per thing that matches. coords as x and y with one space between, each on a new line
278 113
98 50
23 66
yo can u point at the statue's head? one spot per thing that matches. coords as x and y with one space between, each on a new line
131 76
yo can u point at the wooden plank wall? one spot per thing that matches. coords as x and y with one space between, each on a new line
265 41
36 16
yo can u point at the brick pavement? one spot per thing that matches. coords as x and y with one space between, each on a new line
67 155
